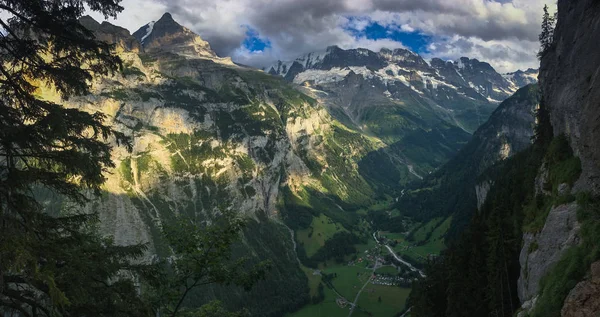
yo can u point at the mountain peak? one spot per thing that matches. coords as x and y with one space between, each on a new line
169 36
167 17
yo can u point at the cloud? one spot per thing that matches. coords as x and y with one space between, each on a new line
503 33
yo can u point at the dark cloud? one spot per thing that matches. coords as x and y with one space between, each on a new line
294 27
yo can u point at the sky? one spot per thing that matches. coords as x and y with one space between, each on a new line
260 32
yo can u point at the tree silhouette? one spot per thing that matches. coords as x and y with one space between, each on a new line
51 261
547 36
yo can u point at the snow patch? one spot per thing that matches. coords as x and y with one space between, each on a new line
148 30
492 100
322 76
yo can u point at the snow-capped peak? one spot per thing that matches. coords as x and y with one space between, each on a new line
307 61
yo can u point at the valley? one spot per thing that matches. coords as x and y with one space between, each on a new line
311 157
350 168
299 158
375 279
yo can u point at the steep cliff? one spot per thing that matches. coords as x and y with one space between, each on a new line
570 84
570 81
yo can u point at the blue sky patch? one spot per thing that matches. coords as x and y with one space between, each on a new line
415 41
253 41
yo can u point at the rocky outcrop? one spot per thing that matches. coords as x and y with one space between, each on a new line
570 81
112 34
542 250
584 298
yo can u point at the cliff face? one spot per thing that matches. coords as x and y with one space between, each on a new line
570 84
583 300
541 251
570 81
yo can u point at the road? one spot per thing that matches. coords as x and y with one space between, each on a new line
406 312
398 258
365 285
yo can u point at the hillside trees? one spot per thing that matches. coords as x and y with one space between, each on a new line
52 261
55 265
202 257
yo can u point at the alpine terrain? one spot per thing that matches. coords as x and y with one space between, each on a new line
311 159
143 174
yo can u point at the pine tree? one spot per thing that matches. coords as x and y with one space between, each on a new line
56 265
201 257
547 36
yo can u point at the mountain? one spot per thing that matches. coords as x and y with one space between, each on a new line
423 111
463 74
469 76
522 78
567 237
462 93
166 35
457 187
308 155
209 135
112 34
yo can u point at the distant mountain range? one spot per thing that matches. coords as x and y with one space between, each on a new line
471 77
462 93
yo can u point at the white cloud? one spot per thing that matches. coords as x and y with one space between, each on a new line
502 33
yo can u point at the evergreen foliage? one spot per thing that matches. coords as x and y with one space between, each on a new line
56 265
53 262
547 35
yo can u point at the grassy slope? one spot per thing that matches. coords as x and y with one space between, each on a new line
314 237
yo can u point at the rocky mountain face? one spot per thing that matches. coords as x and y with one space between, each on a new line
467 77
570 83
112 34
479 76
166 35
464 75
